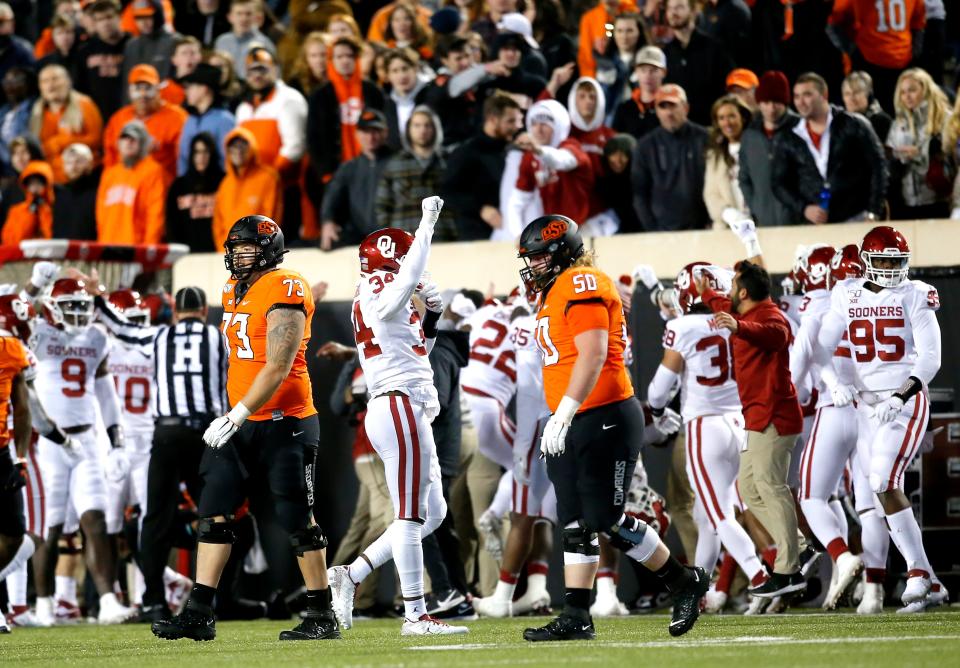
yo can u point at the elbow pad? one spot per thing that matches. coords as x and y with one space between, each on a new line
430 320
109 401
662 388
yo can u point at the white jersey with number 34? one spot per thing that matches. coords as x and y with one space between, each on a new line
707 383
66 371
492 368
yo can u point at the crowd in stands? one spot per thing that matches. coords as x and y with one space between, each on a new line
165 120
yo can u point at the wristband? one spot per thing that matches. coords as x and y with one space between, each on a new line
567 409
657 412
115 434
239 413
430 320
21 461
753 247
912 386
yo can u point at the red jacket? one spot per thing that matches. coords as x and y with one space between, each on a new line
761 362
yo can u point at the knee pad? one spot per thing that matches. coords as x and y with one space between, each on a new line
306 540
580 545
634 538
216 533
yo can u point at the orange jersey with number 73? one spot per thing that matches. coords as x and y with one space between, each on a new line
245 328
581 299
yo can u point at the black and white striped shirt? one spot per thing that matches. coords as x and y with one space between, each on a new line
189 358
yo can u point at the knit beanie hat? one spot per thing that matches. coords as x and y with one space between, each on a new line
774 87
619 143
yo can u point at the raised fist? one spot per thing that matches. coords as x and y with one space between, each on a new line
44 273
432 204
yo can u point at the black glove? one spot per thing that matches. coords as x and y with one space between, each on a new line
17 478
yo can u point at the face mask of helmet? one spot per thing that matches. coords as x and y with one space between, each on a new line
539 271
77 314
888 270
241 264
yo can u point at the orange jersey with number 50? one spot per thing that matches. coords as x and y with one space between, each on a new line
245 328
581 299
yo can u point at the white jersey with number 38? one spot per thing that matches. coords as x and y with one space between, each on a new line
492 368
66 370
707 383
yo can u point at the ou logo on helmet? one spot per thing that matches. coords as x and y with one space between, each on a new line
817 273
386 246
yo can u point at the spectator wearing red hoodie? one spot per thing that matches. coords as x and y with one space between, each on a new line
587 107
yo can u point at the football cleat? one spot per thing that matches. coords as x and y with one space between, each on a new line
428 626
319 625
4 627
537 603
462 612
778 605
686 603
23 617
67 612
443 601
608 607
342 590
847 568
872 601
196 622
809 559
758 606
112 611
488 525
938 596
917 589
779 584
563 627
45 616
715 601
493 607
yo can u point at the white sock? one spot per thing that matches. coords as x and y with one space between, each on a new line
822 520
737 541
537 583
66 589
17 586
905 533
170 576
836 506
875 539
500 505
408 559
504 591
708 548
377 554
606 588
23 553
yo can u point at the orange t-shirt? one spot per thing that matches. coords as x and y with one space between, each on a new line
581 299
882 28
13 360
245 327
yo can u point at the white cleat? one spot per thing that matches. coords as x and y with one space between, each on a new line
342 590
493 607
428 626
608 607
531 602
113 611
847 568
178 593
45 616
488 525
778 605
872 601
714 601
938 596
26 619
916 590
758 605
4 627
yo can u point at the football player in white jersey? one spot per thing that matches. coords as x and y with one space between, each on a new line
73 384
833 437
697 356
393 344
894 337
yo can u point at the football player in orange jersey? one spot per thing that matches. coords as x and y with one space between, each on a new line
593 437
268 441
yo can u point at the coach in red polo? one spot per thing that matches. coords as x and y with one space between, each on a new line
760 338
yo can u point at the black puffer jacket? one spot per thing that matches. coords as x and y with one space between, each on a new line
856 170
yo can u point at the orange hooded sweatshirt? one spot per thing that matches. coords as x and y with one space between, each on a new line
593 34
54 134
33 218
130 203
165 125
254 189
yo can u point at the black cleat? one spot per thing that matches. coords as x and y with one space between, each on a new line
809 559
564 627
686 602
316 625
195 622
779 584
153 613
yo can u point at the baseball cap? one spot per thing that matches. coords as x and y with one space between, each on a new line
144 74
190 298
670 93
143 8
516 22
743 78
372 119
651 55
258 55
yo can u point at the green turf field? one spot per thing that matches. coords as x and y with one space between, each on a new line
811 640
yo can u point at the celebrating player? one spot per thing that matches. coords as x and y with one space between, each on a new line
894 338
268 440
393 343
593 437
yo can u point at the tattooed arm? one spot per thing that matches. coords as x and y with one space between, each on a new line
285 328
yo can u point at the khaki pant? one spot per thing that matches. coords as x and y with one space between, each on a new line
764 467
680 498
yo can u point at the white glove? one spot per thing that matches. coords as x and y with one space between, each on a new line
745 229
842 395
431 212
955 213
888 410
430 295
668 423
224 427
553 441
9 289
644 273
118 464
73 450
44 273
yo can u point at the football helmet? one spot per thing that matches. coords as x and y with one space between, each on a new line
160 307
791 284
548 246
68 306
845 264
384 250
885 244
814 267
15 317
263 233
685 294
131 305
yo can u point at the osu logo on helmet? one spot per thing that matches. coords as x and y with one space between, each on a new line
554 230
266 227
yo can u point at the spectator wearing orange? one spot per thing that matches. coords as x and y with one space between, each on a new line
743 83
187 54
275 113
403 31
32 218
67 9
163 121
380 22
62 116
153 45
130 200
882 38
248 188
65 43
128 19
593 32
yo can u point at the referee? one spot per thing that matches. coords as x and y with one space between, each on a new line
190 368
